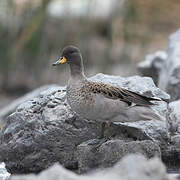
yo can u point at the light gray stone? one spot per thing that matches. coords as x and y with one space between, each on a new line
4 112
4 175
142 130
176 141
173 118
138 167
175 115
132 167
169 79
91 156
173 151
152 65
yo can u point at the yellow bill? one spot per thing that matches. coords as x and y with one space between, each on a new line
61 60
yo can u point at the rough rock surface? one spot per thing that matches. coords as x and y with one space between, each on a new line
169 79
4 112
132 167
44 130
142 130
168 71
152 65
174 118
91 156
164 67
172 152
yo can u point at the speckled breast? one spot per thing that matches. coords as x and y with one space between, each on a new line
80 99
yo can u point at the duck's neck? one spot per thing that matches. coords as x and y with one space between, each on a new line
77 71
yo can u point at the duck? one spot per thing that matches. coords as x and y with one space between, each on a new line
98 101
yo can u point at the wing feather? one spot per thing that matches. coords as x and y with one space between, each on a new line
125 95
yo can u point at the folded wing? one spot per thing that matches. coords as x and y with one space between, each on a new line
125 95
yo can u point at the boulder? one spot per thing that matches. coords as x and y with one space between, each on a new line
152 65
169 78
143 130
174 118
174 131
131 167
7 110
44 130
92 156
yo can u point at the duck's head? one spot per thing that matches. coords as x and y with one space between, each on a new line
70 55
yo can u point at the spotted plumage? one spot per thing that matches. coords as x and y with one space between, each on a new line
121 94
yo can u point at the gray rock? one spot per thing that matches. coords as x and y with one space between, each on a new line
169 79
152 65
172 152
4 175
132 167
142 130
91 156
176 141
4 112
44 130
137 167
38 135
155 131
174 118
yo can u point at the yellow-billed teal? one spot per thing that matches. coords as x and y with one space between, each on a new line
99 101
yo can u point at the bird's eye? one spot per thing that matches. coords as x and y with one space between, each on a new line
71 52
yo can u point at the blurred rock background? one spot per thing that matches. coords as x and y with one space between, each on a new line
113 35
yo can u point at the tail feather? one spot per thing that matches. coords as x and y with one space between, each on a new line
141 99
